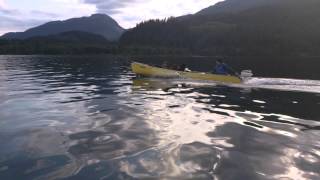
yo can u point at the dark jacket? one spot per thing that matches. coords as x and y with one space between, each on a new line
221 69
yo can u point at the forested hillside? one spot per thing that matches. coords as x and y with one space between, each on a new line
286 28
72 42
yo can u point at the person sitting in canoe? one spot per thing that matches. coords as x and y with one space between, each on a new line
223 69
165 64
182 67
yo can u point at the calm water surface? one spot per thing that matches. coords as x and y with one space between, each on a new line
90 118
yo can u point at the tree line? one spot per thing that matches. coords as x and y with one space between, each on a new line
289 29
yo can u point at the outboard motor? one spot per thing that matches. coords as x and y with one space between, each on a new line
246 74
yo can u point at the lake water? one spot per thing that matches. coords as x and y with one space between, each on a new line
69 117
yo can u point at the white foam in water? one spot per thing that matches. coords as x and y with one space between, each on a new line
283 84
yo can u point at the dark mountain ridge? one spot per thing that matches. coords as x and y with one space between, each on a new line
235 6
283 27
71 37
71 42
99 24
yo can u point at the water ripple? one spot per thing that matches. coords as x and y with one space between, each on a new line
90 118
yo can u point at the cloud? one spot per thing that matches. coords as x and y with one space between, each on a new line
17 20
9 24
34 13
9 12
111 6
16 15
131 12
43 14
2 4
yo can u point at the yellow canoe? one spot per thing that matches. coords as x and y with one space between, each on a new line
151 71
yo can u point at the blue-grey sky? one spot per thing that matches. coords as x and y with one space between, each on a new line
19 15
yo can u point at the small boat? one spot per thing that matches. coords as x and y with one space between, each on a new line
152 71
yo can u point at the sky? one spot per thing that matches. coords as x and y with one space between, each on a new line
19 15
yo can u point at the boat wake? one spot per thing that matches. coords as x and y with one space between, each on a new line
282 84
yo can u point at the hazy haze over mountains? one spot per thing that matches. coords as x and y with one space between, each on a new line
99 24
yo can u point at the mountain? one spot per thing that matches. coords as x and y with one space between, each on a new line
235 6
236 27
71 42
71 37
99 24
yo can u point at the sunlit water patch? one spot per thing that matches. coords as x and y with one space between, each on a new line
91 118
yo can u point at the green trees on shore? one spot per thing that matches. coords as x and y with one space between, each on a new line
286 29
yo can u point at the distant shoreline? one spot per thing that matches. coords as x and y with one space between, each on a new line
167 55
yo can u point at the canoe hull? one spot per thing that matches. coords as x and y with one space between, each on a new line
151 71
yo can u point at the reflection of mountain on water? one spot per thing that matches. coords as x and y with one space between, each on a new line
83 103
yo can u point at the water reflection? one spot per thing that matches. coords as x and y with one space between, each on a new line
193 115
89 118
